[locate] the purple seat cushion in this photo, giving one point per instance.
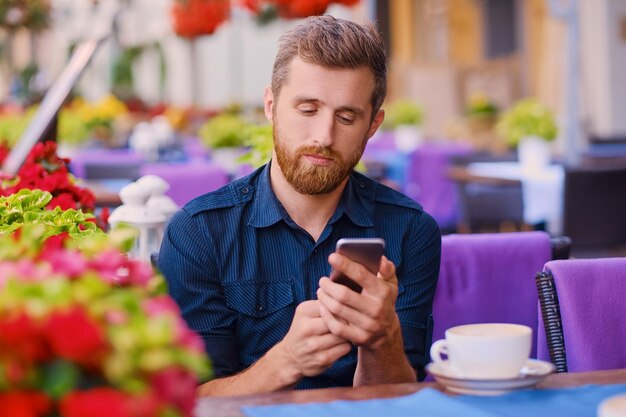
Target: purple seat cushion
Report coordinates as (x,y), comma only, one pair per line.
(592,294)
(489,278)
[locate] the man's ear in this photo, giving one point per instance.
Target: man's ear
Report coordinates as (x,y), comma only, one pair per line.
(268,103)
(378,120)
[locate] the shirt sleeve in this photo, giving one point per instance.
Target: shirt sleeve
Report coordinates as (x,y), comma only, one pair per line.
(187,261)
(417,278)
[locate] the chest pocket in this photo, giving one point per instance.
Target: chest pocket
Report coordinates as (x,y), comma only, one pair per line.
(259,299)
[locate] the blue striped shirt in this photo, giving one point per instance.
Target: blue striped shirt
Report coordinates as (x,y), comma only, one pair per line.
(238,266)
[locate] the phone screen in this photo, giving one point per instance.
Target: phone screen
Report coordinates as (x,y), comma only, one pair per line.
(366,251)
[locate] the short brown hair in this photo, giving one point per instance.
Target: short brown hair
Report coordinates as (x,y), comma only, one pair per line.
(334,43)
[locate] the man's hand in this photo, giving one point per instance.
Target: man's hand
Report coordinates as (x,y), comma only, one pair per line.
(366,319)
(309,348)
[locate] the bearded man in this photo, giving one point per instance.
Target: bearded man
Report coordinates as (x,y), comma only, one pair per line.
(248,264)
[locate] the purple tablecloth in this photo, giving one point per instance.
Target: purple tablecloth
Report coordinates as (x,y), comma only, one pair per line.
(188,180)
(84,157)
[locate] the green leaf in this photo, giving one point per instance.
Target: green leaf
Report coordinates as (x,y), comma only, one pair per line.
(59,377)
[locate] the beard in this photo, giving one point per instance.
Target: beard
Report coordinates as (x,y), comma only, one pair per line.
(311,179)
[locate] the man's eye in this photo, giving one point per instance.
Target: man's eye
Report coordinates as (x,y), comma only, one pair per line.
(308,111)
(345,119)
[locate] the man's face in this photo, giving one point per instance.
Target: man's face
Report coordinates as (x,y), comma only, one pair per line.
(321,124)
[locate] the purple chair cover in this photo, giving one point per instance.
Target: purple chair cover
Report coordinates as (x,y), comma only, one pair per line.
(428,182)
(84,157)
(188,180)
(592,294)
(489,278)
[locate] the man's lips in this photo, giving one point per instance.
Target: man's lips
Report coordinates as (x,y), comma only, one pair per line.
(318,159)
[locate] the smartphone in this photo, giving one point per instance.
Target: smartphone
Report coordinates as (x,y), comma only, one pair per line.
(366,251)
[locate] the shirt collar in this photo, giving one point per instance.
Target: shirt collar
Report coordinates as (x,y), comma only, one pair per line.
(266,209)
(356,202)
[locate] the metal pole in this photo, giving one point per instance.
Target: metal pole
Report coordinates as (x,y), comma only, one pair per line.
(567,10)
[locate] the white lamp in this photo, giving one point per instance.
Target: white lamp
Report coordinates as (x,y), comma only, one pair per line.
(135,212)
(156,188)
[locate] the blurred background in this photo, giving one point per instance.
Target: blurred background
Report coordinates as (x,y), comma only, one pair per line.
(175,81)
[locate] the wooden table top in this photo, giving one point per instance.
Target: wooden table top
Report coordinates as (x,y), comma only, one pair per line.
(464,175)
(230,406)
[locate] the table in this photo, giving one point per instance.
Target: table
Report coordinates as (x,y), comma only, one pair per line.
(542,190)
(230,406)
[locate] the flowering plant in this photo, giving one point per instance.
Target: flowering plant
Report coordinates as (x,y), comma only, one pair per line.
(85,331)
(29,207)
(292,9)
(46,171)
(480,106)
(526,118)
(192,18)
(403,112)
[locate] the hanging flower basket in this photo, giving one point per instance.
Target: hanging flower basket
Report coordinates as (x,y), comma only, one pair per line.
(193,18)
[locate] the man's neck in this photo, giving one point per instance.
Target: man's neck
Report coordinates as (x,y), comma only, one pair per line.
(311,212)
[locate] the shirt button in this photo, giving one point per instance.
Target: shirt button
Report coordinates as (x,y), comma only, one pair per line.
(361,185)
(245,190)
(315,250)
(259,307)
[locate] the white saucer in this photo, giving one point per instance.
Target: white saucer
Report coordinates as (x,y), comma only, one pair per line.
(533,371)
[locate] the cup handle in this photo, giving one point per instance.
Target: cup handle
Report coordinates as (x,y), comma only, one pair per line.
(437,348)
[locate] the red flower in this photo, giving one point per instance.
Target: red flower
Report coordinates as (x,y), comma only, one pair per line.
(24,404)
(4,152)
(54,243)
(21,337)
(44,170)
(97,402)
(176,386)
(75,336)
(194,18)
(301,8)
(63,200)
(347,2)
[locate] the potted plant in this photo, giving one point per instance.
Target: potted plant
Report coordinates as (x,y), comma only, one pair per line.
(530,126)
(260,143)
(405,118)
(225,135)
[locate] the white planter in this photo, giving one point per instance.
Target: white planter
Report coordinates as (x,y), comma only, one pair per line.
(227,158)
(534,153)
(408,138)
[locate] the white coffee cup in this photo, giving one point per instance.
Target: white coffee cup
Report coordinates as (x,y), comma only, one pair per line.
(484,351)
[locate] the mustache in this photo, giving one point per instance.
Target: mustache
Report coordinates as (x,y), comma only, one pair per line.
(318,151)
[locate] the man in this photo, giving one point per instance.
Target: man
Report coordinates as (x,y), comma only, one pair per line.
(248,263)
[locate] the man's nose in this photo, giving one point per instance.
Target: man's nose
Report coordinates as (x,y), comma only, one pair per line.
(324,131)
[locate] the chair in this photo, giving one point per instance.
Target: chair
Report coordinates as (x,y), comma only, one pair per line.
(488,205)
(593,209)
(429,184)
(582,311)
(487,278)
